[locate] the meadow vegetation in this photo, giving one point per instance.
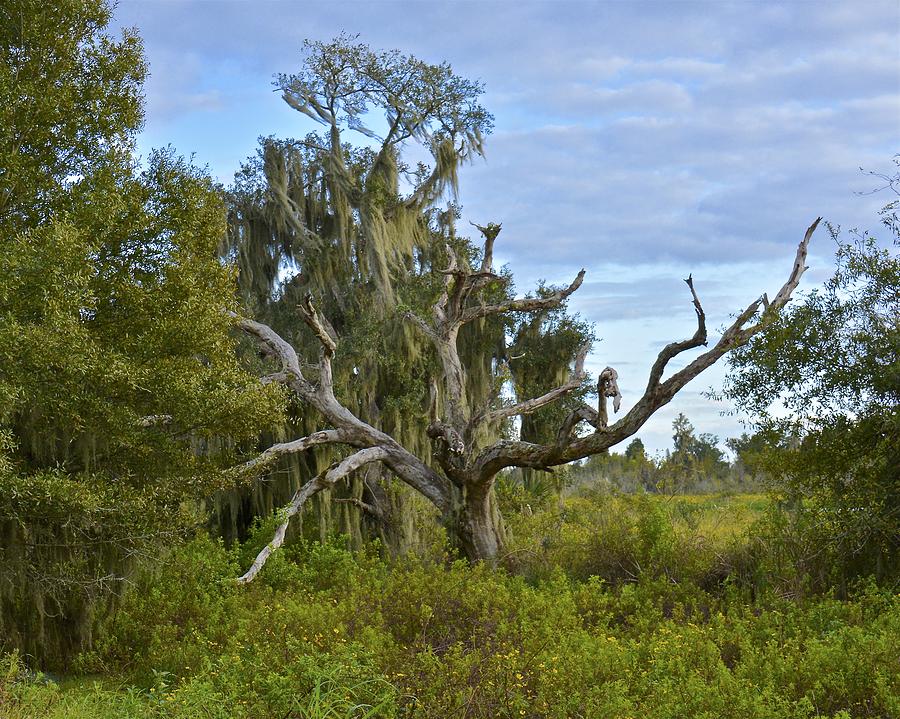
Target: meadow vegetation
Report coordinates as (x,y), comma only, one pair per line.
(610,606)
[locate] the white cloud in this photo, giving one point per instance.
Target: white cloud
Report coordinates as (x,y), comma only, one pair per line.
(640,140)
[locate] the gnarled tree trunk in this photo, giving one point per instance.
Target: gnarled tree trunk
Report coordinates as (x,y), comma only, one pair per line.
(475,525)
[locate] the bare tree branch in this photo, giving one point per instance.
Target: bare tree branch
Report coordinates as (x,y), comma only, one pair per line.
(532,405)
(784,294)
(274,342)
(314,321)
(322,481)
(276,451)
(525,304)
(737,334)
(450,313)
(658,393)
(675,348)
(409,468)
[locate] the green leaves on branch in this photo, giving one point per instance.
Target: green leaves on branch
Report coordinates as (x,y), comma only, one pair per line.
(121,392)
(72,97)
(823,381)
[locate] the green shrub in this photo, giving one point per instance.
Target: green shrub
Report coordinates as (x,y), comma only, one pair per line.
(323,632)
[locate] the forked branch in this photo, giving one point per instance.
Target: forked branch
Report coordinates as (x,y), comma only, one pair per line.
(326,479)
(676,348)
(349,429)
(569,448)
(524,304)
(738,333)
(532,405)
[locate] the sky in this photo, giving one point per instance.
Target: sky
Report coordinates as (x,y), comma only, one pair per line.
(642,141)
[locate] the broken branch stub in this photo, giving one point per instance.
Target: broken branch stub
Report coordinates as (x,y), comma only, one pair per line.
(316,324)
(607,386)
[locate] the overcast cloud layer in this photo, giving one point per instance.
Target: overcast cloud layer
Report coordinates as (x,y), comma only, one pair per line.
(640,140)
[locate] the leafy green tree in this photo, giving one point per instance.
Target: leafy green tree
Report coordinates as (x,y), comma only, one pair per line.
(363,232)
(642,465)
(633,471)
(823,381)
(749,455)
(636,449)
(72,98)
(121,396)
(540,357)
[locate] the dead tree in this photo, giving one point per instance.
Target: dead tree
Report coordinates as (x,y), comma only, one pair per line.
(459,477)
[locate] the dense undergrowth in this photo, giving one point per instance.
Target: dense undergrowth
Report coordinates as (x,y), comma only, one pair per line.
(608,607)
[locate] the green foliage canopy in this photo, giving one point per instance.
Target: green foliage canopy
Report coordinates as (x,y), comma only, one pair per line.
(833,362)
(120,391)
(72,97)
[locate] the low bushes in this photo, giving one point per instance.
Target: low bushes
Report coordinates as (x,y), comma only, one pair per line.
(640,616)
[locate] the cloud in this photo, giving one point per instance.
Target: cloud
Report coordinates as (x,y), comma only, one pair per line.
(651,96)
(642,141)
(177,103)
